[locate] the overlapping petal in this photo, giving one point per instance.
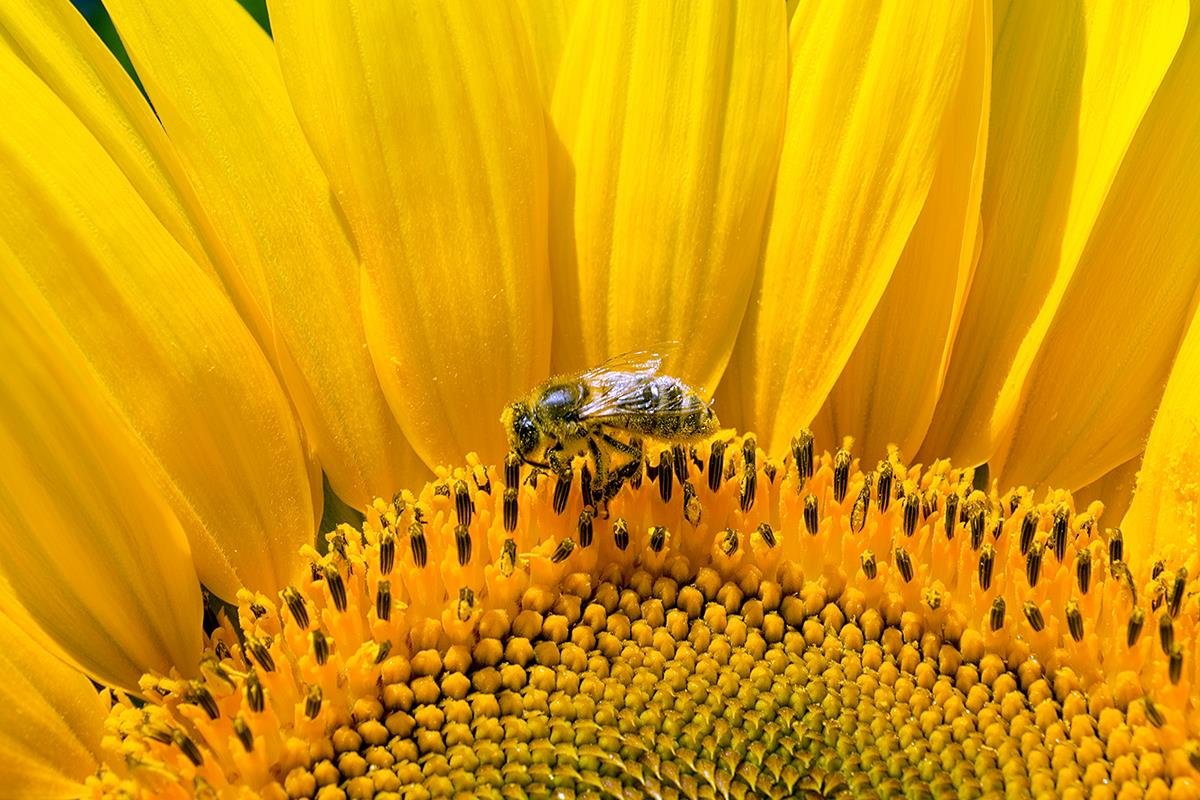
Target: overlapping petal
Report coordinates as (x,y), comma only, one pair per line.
(867,101)
(1071,85)
(669,119)
(548,24)
(87,546)
(889,387)
(50,721)
(161,339)
(428,120)
(215,82)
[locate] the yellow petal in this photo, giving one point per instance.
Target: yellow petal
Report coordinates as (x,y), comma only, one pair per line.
(161,339)
(428,119)
(1071,86)
(57,44)
(1092,389)
(670,117)
(888,389)
(1164,519)
(1114,488)
(869,91)
(87,546)
(215,83)
(50,721)
(547,22)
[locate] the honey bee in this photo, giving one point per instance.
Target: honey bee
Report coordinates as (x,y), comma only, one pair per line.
(605,411)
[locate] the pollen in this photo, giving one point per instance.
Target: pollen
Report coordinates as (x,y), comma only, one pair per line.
(727,625)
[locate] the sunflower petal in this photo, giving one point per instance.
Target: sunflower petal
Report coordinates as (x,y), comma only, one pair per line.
(906,344)
(1128,302)
(1114,488)
(429,122)
(215,83)
(86,545)
(51,721)
(548,23)
(670,117)
(1071,85)
(869,92)
(1164,518)
(160,338)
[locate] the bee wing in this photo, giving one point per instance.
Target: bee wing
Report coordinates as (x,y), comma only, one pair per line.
(633,383)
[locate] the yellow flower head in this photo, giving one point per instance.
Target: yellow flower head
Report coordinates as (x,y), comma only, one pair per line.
(306,270)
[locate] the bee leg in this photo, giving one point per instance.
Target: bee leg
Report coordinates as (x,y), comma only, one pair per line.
(555,458)
(618,476)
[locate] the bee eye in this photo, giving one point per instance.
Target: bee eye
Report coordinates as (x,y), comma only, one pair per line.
(527,435)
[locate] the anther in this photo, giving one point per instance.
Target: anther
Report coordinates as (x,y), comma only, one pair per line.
(666,476)
(337,587)
(1028,529)
(383,651)
(585,486)
(1152,713)
(464,506)
(244,734)
(257,610)
(562,490)
(987,559)
(508,558)
(585,527)
(1175,664)
(1166,633)
(749,486)
(1116,544)
(312,702)
(841,474)
(416,541)
(383,600)
(951,518)
(1033,566)
(770,471)
(904,564)
(563,551)
(658,538)
(259,649)
(716,464)
(510,509)
(802,454)
(1058,532)
(858,514)
(621,534)
(1034,615)
(466,603)
(320,646)
(1175,599)
(977,520)
(1137,619)
(692,509)
(1083,570)
(199,695)
(912,508)
(679,460)
(255,698)
(767,534)
(996,616)
(729,542)
(1074,620)
(1158,569)
(883,487)
(462,541)
(930,504)
(512,470)
(812,518)
(295,603)
(387,552)
(187,746)
(869,567)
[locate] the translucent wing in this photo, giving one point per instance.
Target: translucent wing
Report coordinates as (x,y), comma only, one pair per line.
(633,383)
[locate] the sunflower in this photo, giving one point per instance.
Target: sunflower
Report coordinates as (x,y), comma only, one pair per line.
(941,259)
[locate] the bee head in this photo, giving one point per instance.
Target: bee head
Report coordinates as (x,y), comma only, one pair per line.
(523,435)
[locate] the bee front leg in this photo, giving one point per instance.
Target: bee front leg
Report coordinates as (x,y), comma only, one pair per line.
(618,476)
(600,478)
(559,461)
